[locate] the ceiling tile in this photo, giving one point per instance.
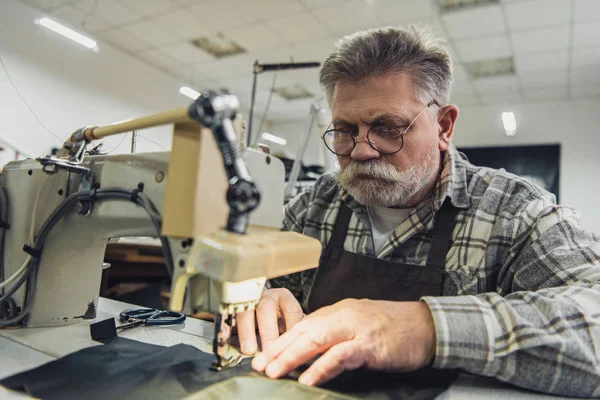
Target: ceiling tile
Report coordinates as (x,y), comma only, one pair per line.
(314,50)
(586,57)
(585,91)
(462,89)
(298,28)
(110,10)
(149,8)
(46,5)
(255,38)
(232,66)
(496,84)
(281,54)
(157,58)
(547,93)
(396,12)
(148,31)
(585,76)
(483,48)
(586,33)
(460,76)
(316,4)
(185,53)
(527,15)
(460,99)
(556,38)
(123,40)
(192,75)
(79,20)
(490,98)
(475,22)
(586,10)
(352,16)
(549,78)
(541,61)
(183,24)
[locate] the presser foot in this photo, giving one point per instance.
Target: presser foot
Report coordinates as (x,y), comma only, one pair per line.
(226,356)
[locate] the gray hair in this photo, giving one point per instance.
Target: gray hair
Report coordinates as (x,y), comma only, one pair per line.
(414,50)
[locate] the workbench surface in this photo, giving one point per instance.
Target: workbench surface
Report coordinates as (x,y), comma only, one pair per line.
(23,349)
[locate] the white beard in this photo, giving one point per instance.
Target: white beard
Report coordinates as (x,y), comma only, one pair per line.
(373,182)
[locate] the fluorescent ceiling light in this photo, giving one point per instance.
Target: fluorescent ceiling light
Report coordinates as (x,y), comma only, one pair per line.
(68,33)
(274,139)
(510,125)
(189,92)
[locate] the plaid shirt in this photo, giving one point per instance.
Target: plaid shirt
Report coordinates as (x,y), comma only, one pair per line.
(521,298)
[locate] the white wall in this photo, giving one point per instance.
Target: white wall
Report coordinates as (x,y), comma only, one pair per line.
(574,124)
(69,86)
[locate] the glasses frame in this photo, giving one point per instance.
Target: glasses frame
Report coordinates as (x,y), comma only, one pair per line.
(357,139)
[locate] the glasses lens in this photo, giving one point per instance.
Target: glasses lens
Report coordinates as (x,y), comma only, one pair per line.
(386,139)
(339,142)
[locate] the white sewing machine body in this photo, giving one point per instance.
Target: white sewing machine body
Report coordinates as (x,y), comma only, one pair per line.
(71,264)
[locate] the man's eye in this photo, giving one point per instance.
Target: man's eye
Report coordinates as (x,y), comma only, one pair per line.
(385,131)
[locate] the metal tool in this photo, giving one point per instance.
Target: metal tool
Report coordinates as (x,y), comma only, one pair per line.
(149,317)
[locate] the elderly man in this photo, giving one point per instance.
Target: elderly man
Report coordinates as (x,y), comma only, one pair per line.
(427,260)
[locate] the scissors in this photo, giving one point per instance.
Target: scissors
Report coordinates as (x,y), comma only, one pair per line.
(148,317)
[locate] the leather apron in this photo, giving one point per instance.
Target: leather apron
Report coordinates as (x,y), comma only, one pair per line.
(342,274)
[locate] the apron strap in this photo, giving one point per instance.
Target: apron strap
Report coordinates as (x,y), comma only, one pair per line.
(443,226)
(338,236)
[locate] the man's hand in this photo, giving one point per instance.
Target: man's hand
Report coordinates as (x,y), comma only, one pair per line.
(276,307)
(382,335)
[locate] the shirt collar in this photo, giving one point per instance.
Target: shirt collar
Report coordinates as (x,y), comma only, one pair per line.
(451,184)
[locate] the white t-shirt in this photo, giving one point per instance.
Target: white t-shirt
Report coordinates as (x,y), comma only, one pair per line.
(384,221)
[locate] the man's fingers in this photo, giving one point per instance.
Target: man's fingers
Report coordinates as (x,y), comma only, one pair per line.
(266,316)
(246,332)
(304,349)
(339,358)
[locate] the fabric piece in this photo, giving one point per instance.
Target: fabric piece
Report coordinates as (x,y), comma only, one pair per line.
(384,221)
(125,368)
(521,281)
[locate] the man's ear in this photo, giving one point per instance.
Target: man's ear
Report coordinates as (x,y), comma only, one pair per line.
(447,117)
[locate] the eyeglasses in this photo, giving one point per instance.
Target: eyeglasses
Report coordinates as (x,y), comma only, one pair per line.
(384,139)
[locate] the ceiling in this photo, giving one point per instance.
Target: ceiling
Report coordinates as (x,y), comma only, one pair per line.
(555,43)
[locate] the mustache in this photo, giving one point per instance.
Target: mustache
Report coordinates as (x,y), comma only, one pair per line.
(371,169)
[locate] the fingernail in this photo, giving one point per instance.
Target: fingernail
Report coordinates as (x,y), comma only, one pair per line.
(259,362)
(272,370)
(305,380)
(248,347)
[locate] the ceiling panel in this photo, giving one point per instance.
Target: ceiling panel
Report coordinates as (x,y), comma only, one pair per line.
(548,93)
(298,28)
(190,74)
(123,40)
(586,33)
(531,14)
(464,99)
(183,24)
(232,66)
(150,32)
(475,22)
(149,8)
(185,53)
(542,61)
(256,37)
(314,50)
(534,79)
(47,5)
(585,76)
(158,58)
(483,48)
(586,57)
(496,84)
(354,15)
(110,10)
(316,4)
(586,10)
(491,98)
(585,91)
(395,12)
(556,38)
(79,20)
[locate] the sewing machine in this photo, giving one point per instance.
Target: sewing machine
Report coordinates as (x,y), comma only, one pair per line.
(218,215)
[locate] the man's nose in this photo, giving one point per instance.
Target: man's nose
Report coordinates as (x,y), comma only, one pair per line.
(363,150)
